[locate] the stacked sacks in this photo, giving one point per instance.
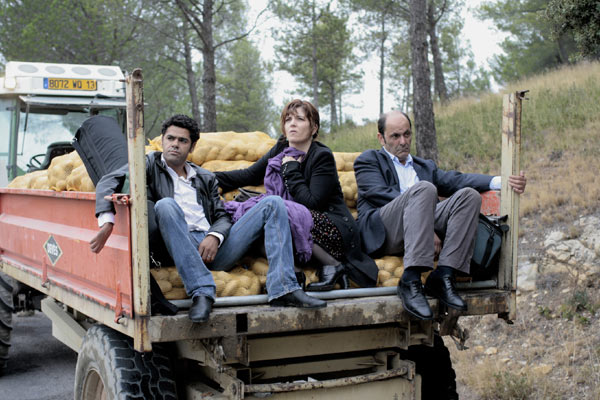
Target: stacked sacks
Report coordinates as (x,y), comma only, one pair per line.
(79,180)
(231,146)
(66,172)
(390,270)
(244,282)
(237,282)
(345,161)
(345,166)
(32,180)
(60,168)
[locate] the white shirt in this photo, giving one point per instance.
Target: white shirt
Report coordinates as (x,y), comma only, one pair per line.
(407,176)
(185,196)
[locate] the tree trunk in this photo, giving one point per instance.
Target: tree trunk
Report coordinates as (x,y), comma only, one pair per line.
(340,119)
(438,73)
(315,80)
(190,74)
(332,105)
(209,78)
(382,62)
(422,103)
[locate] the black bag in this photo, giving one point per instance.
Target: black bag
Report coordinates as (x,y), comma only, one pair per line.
(101,145)
(488,240)
(245,194)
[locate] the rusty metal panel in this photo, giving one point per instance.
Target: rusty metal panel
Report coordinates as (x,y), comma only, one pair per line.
(490,202)
(320,343)
(399,383)
(309,368)
(343,313)
(46,234)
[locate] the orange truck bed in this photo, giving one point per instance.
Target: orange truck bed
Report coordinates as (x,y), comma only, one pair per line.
(46,234)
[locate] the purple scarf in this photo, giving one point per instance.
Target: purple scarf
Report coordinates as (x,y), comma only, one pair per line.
(300,219)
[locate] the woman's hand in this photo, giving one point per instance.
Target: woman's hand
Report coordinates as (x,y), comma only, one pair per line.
(288,159)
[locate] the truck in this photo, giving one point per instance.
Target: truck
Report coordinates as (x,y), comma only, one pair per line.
(99,304)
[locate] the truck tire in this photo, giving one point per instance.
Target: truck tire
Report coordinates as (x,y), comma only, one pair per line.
(438,379)
(109,368)
(6,311)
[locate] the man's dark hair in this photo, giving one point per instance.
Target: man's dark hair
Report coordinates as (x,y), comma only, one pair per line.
(383,117)
(185,122)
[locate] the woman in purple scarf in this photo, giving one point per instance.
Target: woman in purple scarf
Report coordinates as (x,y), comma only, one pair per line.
(303,172)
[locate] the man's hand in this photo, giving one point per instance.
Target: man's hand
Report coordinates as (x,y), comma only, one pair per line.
(208,248)
(97,243)
(518,182)
(437,245)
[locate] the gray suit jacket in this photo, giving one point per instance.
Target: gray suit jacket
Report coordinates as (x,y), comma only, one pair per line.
(378,184)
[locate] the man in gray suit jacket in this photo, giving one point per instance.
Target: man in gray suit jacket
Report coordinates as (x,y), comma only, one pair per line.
(399,213)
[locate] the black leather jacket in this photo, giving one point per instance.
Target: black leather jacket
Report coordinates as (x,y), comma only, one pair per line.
(160,185)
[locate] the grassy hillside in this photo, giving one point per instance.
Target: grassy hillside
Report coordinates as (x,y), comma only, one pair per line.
(560,134)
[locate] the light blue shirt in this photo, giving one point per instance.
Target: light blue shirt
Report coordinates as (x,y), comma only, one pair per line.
(407,176)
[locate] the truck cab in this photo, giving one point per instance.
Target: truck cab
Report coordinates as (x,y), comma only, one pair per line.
(43,104)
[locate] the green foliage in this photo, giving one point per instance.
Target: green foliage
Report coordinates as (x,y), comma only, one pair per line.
(244,102)
(315,46)
(511,386)
(582,19)
(545,312)
(64,31)
(530,47)
(577,307)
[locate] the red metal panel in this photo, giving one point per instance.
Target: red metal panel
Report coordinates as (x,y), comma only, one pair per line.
(490,202)
(28,218)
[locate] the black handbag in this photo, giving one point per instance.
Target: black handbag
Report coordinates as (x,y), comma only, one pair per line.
(245,194)
(488,241)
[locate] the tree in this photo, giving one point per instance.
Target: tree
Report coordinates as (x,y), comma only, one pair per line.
(579,17)
(244,102)
(209,19)
(378,16)
(434,13)
(530,48)
(336,62)
(297,51)
(66,31)
(423,105)
(316,48)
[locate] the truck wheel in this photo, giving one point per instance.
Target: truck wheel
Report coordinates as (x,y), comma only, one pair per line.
(109,368)
(6,311)
(438,379)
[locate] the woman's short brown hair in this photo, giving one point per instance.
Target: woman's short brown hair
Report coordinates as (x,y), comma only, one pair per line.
(311,113)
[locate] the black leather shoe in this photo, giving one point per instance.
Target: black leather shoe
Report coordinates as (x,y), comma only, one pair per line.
(414,300)
(298,298)
(328,276)
(443,288)
(200,309)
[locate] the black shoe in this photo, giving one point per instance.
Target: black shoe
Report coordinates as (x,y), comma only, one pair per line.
(200,309)
(328,276)
(443,289)
(301,278)
(298,298)
(414,300)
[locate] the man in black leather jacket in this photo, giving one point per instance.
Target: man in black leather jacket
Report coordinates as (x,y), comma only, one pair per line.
(193,223)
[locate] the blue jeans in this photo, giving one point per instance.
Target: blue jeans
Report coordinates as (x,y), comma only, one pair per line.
(269,217)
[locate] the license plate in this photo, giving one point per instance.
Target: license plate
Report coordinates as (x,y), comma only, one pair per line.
(69,84)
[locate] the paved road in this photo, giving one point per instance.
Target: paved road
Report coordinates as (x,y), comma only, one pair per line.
(40,367)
